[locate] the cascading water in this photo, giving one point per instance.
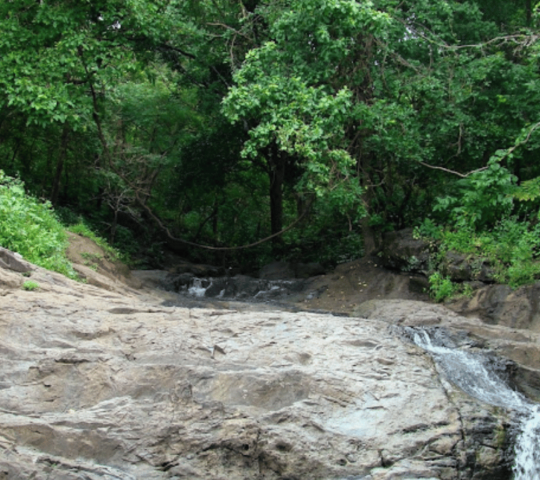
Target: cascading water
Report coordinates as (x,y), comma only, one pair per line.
(199,287)
(240,288)
(470,373)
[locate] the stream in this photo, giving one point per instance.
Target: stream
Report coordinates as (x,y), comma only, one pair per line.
(473,375)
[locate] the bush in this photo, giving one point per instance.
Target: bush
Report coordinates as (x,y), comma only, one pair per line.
(442,288)
(511,248)
(29,227)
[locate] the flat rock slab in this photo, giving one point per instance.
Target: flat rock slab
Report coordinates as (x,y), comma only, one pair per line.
(96,385)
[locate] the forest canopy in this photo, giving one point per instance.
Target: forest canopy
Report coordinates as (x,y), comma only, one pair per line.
(224,122)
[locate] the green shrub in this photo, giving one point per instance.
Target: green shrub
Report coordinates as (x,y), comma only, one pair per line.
(29,227)
(441,287)
(29,285)
(511,248)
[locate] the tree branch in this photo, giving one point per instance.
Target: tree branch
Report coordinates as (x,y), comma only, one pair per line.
(453,172)
(221,249)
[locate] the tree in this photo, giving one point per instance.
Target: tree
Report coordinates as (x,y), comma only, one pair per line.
(350,90)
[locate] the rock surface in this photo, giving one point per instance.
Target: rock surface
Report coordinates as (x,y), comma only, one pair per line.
(501,305)
(353,283)
(97,384)
(94,265)
(493,303)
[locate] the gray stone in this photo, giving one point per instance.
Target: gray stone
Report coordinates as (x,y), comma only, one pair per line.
(106,385)
(501,305)
(306,270)
(401,251)
(461,268)
(277,271)
(13,261)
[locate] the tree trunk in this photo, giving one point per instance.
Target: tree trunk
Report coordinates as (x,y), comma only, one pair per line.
(277,175)
(368,235)
(60,165)
(364,170)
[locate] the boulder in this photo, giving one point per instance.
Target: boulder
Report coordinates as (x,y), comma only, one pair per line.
(501,305)
(13,261)
(104,385)
(461,267)
(277,271)
(198,270)
(307,270)
(402,251)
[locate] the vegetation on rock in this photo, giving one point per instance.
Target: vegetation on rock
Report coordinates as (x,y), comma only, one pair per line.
(30,285)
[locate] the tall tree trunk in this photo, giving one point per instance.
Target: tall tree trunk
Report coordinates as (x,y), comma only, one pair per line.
(277,175)
(368,235)
(60,164)
(48,167)
(364,168)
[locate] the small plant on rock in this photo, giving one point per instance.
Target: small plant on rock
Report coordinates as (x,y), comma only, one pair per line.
(30,285)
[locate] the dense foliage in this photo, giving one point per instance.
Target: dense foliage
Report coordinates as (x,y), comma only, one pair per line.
(30,228)
(226,121)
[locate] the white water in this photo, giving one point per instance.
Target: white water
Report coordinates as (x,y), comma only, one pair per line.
(239,289)
(197,289)
(469,372)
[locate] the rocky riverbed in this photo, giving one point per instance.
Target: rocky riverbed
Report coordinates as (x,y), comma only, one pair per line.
(120,383)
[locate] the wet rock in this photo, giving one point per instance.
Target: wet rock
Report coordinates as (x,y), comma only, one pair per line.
(522,347)
(178,282)
(240,287)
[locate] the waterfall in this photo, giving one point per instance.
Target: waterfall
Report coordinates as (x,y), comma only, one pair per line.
(199,287)
(470,373)
(527,461)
